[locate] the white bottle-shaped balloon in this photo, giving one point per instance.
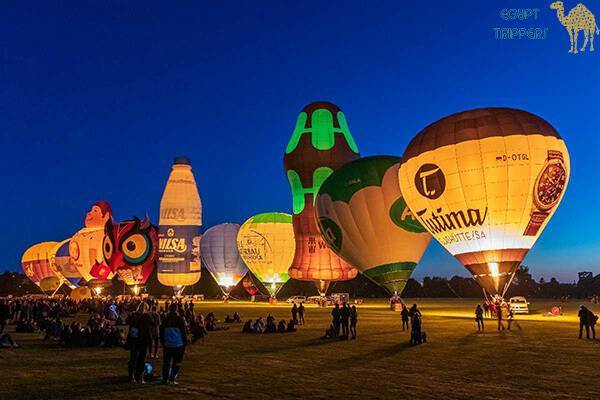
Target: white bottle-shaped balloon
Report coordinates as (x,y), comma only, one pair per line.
(179,228)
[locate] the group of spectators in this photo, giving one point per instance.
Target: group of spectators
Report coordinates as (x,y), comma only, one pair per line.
(499,310)
(269,325)
(414,316)
(344,317)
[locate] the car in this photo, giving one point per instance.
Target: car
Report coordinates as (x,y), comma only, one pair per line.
(519,305)
(296,299)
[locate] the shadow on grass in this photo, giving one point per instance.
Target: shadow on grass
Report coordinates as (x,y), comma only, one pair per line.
(378,354)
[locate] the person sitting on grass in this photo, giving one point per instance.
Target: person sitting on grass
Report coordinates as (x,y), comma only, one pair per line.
(329,333)
(198,329)
(6,341)
(236,318)
(271,328)
(247,328)
(291,326)
(259,325)
(281,326)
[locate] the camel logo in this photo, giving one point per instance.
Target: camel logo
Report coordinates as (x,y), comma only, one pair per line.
(430,181)
(578,19)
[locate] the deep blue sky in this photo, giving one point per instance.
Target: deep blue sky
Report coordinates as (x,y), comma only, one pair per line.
(97,97)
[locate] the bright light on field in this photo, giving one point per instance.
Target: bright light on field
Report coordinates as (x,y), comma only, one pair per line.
(226,281)
(98,290)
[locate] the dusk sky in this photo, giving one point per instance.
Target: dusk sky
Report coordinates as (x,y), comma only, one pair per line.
(98,97)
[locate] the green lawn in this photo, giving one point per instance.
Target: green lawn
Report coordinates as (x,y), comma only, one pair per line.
(544,360)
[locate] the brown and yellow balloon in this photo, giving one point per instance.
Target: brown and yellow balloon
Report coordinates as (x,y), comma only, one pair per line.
(485,183)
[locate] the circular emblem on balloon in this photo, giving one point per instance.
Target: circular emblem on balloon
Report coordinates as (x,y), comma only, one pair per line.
(430,181)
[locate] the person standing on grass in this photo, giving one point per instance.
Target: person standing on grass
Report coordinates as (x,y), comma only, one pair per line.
(511,319)
(335,320)
(155,336)
(584,321)
(173,339)
(345,316)
(295,313)
(479,317)
(353,320)
(4,313)
(138,341)
(498,309)
(301,314)
(404,315)
(593,319)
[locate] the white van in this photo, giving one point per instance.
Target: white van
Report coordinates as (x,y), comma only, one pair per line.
(296,299)
(519,305)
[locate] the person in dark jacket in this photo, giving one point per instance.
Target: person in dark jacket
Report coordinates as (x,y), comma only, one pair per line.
(301,314)
(587,319)
(344,320)
(138,341)
(173,338)
(479,318)
(404,315)
(353,321)
(295,313)
(335,320)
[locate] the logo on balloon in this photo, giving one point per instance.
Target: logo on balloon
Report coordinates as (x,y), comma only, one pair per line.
(430,181)
(332,232)
(402,217)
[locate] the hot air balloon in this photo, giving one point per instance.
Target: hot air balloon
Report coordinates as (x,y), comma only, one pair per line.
(85,247)
(365,220)
(61,266)
(221,257)
(267,246)
(36,266)
(485,183)
(179,228)
(131,249)
(320,144)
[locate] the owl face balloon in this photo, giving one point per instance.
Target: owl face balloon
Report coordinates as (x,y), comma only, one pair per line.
(130,248)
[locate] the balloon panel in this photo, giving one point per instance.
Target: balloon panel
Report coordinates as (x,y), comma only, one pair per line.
(364,218)
(86,254)
(320,144)
(36,262)
(61,264)
(266,244)
(50,285)
(179,228)
(81,293)
(485,183)
(220,254)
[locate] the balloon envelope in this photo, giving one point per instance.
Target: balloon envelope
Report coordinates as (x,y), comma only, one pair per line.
(179,228)
(364,218)
(320,144)
(36,266)
(221,257)
(485,183)
(267,246)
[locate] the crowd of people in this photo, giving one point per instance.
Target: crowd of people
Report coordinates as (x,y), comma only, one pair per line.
(495,309)
(344,317)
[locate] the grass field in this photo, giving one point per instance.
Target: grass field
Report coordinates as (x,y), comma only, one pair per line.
(544,360)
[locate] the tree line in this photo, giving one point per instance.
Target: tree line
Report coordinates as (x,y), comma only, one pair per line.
(17,284)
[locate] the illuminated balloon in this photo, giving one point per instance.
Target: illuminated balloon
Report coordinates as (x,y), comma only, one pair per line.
(267,246)
(179,228)
(131,249)
(485,183)
(221,257)
(36,266)
(364,218)
(320,144)
(85,247)
(61,266)
(81,293)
